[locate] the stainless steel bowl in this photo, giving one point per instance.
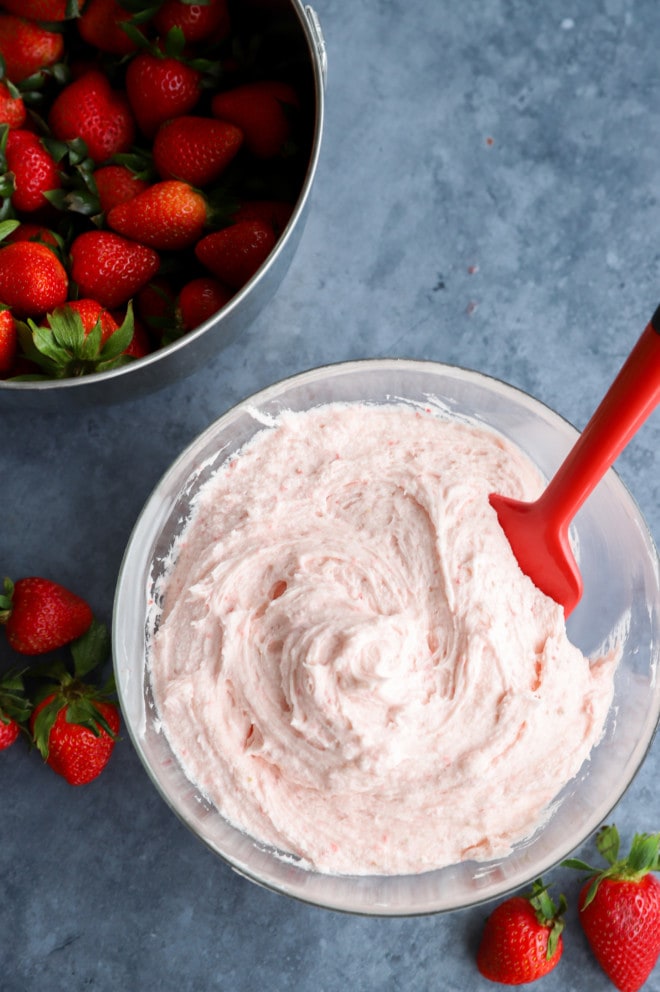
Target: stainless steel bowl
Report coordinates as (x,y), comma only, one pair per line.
(193,350)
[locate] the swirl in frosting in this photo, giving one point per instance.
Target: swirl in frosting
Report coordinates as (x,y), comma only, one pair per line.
(349,662)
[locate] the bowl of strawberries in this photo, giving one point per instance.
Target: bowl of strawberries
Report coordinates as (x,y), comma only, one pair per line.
(156,165)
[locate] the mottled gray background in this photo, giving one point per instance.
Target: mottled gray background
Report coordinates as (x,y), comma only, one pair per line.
(487,195)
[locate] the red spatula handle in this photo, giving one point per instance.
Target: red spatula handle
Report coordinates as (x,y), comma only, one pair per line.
(631,398)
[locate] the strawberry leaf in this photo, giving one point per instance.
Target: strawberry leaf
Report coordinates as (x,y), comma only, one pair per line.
(120,339)
(43,725)
(91,649)
(7,227)
(14,704)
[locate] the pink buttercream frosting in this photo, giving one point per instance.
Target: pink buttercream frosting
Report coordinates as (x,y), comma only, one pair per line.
(349,662)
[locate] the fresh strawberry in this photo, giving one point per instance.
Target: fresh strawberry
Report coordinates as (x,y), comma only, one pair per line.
(140,342)
(32,278)
(620,908)
(12,108)
(75,724)
(117,184)
(235,253)
(196,150)
(40,615)
(9,730)
(90,109)
(110,268)
(156,305)
(77,339)
(199,299)
(197,21)
(75,733)
(263,110)
(43,10)
(27,47)
(169,215)
(34,232)
(33,168)
(8,340)
(14,707)
(100,25)
(521,940)
(277,213)
(161,86)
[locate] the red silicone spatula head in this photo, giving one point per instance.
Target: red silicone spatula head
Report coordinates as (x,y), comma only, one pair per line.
(538,531)
(543,551)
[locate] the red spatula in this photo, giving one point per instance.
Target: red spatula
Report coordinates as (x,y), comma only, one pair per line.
(538,531)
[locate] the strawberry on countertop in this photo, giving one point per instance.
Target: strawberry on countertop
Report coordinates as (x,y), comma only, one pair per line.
(40,615)
(75,723)
(620,908)
(522,938)
(14,707)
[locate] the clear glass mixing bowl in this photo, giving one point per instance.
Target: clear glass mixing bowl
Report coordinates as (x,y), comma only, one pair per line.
(619,564)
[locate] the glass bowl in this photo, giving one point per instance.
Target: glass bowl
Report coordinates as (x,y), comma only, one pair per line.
(619,564)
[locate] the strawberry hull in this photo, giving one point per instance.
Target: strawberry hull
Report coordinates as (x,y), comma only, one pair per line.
(183,356)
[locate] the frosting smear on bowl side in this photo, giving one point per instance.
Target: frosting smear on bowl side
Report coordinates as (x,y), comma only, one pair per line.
(349,662)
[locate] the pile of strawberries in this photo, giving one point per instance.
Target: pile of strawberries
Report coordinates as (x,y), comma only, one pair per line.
(57,704)
(150,157)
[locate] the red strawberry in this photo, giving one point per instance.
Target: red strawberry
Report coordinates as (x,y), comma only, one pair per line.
(32,278)
(33,232)
(263,111)
(100,25)
(8,340)
(75,725)
(170,215)
(235,253)
(620,908)
(199,299)
(27,47)
(195,149)
(198,21)
(277,213)
(159,87)
(522,940)
(14,708)
(12,108)
(90,109)
(109,268)
(9,730)
(76,339)
(40,615)
(34,170)
(79,736)
(156,304)
(43,10)
(140,343)
(116,184)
